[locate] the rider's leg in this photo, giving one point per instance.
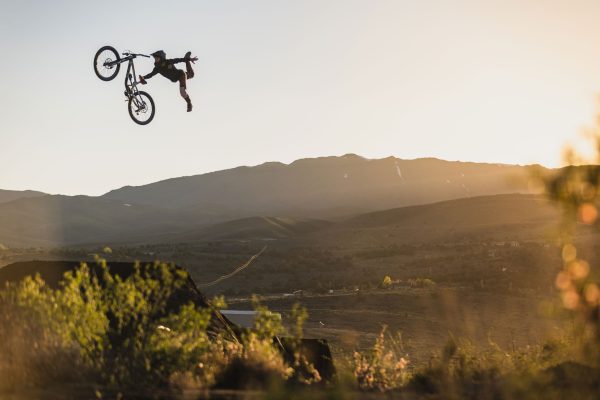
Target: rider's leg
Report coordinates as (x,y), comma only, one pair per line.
(188,66)
(183,92)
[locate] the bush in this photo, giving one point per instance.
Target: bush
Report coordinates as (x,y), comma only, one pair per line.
(381,368)
(462,371)
(421,283)
(117,333)
(387,282)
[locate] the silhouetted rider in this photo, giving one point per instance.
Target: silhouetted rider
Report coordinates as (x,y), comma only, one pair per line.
(166,67)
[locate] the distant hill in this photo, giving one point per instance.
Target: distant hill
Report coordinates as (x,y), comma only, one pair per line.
(475,211)
(80,220)
(253,228)
(10,195)
(327,187)
(64,220)
(269,201)
(500,217)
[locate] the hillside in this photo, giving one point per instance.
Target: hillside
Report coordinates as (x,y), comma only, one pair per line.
(269,201)
(10,195)
(485,218)
(64,220)
(474,211)
(327,187)
(456,241)
(252,228)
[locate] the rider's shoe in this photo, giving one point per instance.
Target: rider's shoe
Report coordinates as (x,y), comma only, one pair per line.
(189,107)
(188,66)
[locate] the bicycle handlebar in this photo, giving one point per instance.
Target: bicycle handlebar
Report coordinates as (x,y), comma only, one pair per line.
(126,54)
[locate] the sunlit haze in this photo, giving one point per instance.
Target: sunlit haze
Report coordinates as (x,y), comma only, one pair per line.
(500,81)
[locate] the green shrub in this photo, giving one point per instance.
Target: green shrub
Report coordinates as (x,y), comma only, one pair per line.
(387,282)
(117,333)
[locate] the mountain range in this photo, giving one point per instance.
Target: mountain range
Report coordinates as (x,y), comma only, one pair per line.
(274,198)
(10,195)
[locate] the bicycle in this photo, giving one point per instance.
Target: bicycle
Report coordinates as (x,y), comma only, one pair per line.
(107,64)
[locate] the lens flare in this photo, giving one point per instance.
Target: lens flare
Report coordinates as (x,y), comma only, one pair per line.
(563,281)
(592,294)
(579,269)
(570,299)
(588,213)
(569,253)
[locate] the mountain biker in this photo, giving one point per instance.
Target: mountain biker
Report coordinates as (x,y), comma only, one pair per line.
(166,67)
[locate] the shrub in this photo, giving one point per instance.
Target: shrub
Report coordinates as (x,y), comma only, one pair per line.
(117,332)
(381,368)
(421,283)
(387,282)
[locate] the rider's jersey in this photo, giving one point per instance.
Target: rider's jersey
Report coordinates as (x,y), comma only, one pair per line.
(167,69)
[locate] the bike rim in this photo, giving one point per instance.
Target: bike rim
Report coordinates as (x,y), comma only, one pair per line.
(103,58)
(141,109)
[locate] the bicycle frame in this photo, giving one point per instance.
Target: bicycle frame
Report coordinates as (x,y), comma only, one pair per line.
(130,79)
(139,103)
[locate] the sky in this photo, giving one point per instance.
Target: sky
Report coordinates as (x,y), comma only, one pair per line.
(499,81)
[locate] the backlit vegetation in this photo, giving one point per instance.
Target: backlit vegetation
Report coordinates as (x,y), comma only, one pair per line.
(115,333)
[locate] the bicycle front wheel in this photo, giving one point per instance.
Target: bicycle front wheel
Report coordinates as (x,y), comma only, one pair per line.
(102,67)
(141,108)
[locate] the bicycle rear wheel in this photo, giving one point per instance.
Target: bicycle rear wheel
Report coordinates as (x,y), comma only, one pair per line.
(103,56)
(141,108)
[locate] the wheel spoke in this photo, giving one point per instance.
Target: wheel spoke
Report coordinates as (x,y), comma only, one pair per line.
(103,58)
(141,108)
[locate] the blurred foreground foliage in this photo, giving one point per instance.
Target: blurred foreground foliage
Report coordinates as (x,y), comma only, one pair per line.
(116,334)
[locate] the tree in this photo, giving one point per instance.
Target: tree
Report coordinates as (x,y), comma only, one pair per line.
(387,282)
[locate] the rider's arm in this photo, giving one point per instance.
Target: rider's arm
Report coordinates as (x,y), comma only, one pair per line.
(151,74)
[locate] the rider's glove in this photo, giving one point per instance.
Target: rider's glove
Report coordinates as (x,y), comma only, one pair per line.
(142,80)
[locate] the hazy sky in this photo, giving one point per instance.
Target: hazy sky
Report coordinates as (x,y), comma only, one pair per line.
(497,81)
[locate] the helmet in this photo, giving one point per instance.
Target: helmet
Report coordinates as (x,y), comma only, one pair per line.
(160,54)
